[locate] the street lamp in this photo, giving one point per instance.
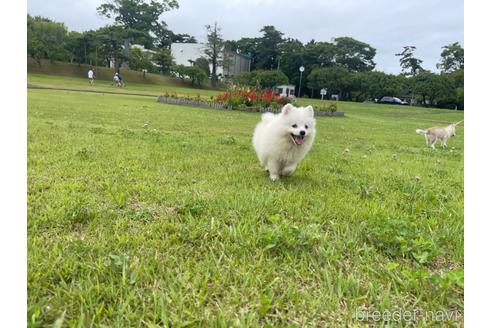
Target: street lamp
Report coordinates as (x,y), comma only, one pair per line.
(278,59)
(301,69)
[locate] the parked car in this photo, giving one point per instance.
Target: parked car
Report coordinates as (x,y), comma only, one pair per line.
(392,100)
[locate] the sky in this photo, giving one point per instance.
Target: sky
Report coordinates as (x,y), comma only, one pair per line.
(386,25)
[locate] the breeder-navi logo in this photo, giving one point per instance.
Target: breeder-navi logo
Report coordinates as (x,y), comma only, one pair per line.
(406,315)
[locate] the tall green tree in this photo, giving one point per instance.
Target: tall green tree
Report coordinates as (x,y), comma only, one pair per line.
(335,79)
(140,15)
(291,57)
(140,60)
(410,65)
(249,47)
(81,46)
(320,54)
(354,55)
(375,85)
(214,49)
(163,59)
(268,50)
(202,63)
(139,18)
(431,87)
(452,58)
(110,41)
(46,39)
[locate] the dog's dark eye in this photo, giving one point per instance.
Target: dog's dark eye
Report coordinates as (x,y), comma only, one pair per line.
(306,127)
(294,126)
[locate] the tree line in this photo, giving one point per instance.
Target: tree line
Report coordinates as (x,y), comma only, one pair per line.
(345,66)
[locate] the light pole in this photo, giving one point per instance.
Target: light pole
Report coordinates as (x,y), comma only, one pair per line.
(278,59)
(301,69)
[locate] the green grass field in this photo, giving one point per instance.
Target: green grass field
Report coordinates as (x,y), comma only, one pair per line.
(142,214)
(104,86)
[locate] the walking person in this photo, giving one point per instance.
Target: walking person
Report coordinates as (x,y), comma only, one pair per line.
(122,84)
(90,76)
(116,80)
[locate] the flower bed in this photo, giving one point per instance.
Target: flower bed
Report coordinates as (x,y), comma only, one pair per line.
(244,99)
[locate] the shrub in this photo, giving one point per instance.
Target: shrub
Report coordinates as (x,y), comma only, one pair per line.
(283,100)
(195,74)
(243,78)
(332,106)
(261,78)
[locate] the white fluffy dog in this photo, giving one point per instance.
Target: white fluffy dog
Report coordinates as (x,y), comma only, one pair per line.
(282,140)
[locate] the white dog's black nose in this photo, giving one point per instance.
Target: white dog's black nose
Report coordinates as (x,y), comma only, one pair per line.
(302,132)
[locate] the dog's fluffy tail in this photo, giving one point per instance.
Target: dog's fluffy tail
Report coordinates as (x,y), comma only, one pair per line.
(267,117)
(420,131)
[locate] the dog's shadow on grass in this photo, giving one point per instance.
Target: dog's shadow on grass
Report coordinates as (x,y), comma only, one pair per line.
(303,181)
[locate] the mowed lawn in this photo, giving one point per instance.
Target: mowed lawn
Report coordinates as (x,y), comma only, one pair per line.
(142,214)
(105,86)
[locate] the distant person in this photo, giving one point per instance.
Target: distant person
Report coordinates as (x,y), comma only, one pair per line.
(116,80)
(90,75)
(122,84)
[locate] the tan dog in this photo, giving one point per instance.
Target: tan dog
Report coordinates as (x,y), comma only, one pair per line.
(441,133)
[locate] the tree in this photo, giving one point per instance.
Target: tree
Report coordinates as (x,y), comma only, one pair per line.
(268,78)
(375,85)
(35,47)
(163,59)
(458,78)
(291,57)
(110,41)
(432,87)
(137,17)
(46,39)
(321,54)
(140,15)
(452,58)
(336,79)
(354,55)
(202,63)
(140,60)
(80,46)
(183,38)
(261,78)
(454,96)
(196,75)
(214,49)
(268,50)
(249,47)
(409,64)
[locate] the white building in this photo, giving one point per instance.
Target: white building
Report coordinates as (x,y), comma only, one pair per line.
(187,53)
(286,90)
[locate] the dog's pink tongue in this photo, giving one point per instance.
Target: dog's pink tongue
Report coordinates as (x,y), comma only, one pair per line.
(299,140)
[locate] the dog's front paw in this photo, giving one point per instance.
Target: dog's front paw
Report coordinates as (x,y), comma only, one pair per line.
(273,177)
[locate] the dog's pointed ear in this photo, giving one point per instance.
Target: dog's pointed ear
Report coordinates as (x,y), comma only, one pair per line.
(310,110)
(287,108)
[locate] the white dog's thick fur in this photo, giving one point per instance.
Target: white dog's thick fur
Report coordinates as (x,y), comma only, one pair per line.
(282,140)
(441,133)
